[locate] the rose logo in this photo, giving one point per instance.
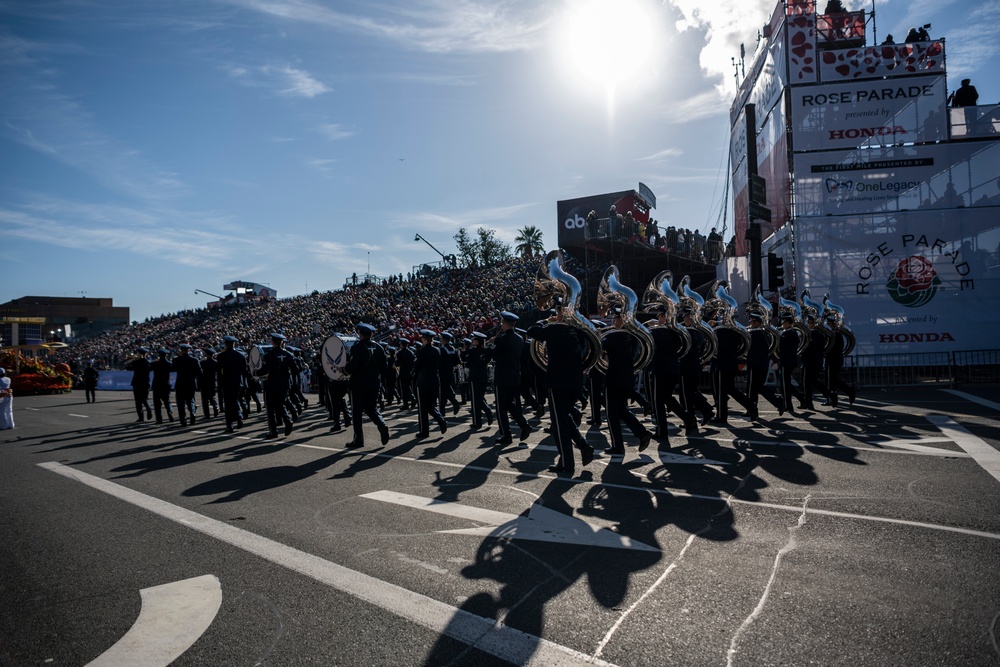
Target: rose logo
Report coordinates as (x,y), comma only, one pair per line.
(914,283)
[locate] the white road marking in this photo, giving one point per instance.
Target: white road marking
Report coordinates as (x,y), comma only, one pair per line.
(541,524)
(172,618)
(33,409)
(674,493)
(84,416)
(514,646)
(974,399)
(985,455)
(909,448)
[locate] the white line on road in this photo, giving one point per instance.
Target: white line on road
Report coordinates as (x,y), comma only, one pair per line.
(974,399)
(506,643)
(84,416)
(541,524)
(675,493)
(983,454)
(172,618)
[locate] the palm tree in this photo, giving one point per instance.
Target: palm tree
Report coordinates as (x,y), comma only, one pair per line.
(529,241)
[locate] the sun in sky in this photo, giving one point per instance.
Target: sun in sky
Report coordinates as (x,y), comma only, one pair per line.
(609,45)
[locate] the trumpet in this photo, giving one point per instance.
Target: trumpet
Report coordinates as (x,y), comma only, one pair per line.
(613,294)
(661,295)
(693,300)
(551,281)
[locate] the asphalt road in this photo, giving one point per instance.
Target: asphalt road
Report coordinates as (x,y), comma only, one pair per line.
(869,535)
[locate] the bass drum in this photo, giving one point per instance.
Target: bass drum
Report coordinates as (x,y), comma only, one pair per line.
(256,359)
(334,353)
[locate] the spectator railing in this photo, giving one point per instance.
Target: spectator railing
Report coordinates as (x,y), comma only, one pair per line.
(924,368)
(974,122)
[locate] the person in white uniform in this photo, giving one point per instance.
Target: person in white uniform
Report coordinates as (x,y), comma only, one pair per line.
(6,402)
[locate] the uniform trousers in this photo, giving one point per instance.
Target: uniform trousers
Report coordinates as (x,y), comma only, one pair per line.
(427,398)
(161,401)
(506,407)
(618,412)
(364,401)
(725,386)
(274,401)
(563,426)
(479,405)
(185,404)
(663,398)
(231,404)
(756,387)
(141,396)
(208,393)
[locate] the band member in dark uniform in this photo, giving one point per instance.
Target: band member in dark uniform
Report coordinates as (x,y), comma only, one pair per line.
(835,362)
(279,366)
(666,376)
(725,368)
(758,365)
(566,349)
(188,371)
(90,375)
(620,348)
(692,397)
(596,381)
(232,374)
(446,371)
(477,361)
(506,357)
(788,361)
(207,384)
(404,362)
(161,385)
(427,381)
(140,383)
(812,363)
(365,364)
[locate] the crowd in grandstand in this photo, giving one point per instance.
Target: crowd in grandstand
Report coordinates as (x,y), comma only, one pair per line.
(462,300)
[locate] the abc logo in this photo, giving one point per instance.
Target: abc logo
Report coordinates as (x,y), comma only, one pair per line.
(575,222)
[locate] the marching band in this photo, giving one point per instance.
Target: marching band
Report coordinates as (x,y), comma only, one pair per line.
(608,362)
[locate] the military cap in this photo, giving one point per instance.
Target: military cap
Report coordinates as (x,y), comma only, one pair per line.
(447,335)
(599,324)
(520,331)
(787,316)
(230,339)
(3,371)
(163,351)
(508,316)
(811,317)
(277,336)
(832,317)
(617,310)
(210,350)
(404,341)
(686,310)
(144,350)
(755,316)
(391,348)
(467,341)
(557,300)
(365,328)
(479,334)
(427,333)
(185,346)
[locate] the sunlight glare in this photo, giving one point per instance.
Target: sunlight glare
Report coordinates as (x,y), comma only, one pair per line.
(609,43)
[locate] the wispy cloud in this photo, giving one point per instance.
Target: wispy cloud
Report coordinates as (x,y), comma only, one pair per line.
(441,222)
(323,164)
(665,154)
(280,79)
(38,115)
(335,132)
(438,26)
(975,43)
(703,105)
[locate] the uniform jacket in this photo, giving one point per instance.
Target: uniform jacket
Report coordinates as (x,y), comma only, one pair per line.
(232,368)
(140,372)
(506,356)
(620,347)
(366,364)
(161,374)
(425,368)
(188,370)
(566,348)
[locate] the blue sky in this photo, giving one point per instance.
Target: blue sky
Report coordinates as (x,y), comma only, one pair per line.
(148,149)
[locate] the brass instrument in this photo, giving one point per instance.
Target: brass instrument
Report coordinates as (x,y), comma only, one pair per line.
(830,307)
(552,280)
(811,308)
(762,307)
(726,316)
(787,307)
(661,294)
(613,294)
(693,300)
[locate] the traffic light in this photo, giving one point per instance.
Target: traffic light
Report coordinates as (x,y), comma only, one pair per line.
(775,272)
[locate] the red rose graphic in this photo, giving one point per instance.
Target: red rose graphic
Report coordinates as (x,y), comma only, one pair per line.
(915,274)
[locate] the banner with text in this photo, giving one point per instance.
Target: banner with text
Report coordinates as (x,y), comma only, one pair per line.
(894,179)
(876,62)
(919,281)
(869,113)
